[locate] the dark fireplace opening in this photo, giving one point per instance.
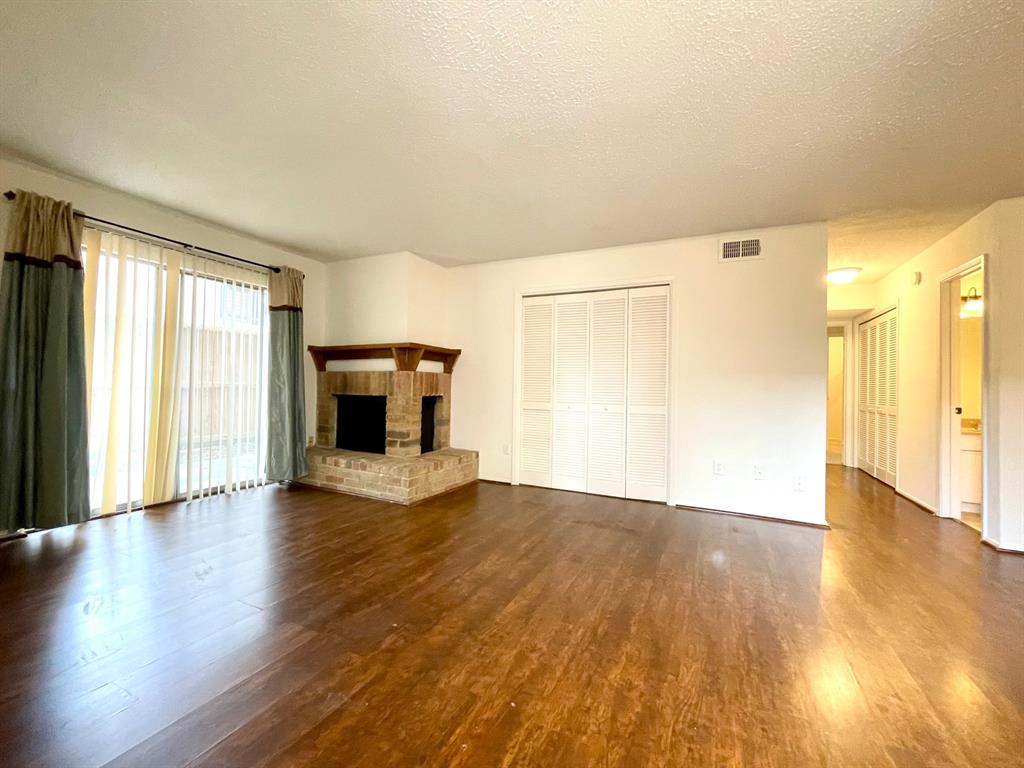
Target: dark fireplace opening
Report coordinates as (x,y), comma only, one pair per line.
(427,423)
(362,423)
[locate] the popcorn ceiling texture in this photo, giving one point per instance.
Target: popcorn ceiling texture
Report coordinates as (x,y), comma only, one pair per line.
(466,130)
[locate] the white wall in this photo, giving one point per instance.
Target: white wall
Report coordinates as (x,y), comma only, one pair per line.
(748,362)
(392,297)
(429,297)
(749,346)
(368,300)
(851,298)
(749,353)
(999,232)
(125,209)
(1003,406)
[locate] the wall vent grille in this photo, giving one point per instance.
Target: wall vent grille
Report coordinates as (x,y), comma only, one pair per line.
(740,249)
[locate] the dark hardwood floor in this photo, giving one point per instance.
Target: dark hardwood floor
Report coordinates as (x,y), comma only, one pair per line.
(502,626)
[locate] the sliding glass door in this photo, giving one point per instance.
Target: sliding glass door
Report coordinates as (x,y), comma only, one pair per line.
(176,352)
(223,418)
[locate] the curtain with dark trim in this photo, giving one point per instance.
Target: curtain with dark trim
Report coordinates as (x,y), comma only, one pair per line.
(286,438)
(44,466)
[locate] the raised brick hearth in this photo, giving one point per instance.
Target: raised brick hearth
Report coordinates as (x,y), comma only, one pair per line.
(401,474)
(405,480)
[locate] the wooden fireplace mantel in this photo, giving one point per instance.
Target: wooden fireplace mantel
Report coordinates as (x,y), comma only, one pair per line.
(407,354)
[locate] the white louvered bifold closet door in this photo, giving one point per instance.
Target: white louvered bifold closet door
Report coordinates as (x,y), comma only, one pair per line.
(606,465)
(872,397)
(878,342)
(862,396)
(888,352)
(571,374)
(647,394)
(535,396)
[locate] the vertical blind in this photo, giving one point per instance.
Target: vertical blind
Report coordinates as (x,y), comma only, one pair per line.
(176,354)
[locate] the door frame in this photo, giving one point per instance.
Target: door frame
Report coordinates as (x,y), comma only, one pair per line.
(949,388)
(517,360)
(849,447)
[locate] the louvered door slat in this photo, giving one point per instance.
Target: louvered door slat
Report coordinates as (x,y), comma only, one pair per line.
(893,353)
(862,395)
(873,366)
(887,406)
(571,386)
(882,397)
(535,394)
(647,394)
(606,465)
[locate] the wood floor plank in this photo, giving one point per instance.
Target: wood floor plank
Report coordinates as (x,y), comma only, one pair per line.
(507,626)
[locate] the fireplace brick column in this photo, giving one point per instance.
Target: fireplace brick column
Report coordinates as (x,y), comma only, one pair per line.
(403,430)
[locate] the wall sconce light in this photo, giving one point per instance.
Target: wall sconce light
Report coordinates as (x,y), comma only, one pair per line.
(971,305)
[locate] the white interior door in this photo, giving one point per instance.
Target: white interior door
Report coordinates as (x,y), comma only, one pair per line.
(872,397)
(594,392)
(953,506)
(878,345)
(535,397)
(863,371)
(881,399)
(647,394)
(606,465)
(571,385)
(888,349)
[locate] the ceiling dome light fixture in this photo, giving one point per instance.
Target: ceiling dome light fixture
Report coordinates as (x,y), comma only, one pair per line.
(971,305)
(843,275)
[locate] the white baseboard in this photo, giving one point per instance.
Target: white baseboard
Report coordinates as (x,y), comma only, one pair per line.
(916,500)
(999,548)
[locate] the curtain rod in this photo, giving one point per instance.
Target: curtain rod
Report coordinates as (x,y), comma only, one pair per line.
(10,195)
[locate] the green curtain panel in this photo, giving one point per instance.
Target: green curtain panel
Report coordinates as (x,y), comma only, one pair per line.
(44,457)
(286,438)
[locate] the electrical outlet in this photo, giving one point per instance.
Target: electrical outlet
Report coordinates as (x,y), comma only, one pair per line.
(506,449)
(800,483)
(718,468)
(759,472)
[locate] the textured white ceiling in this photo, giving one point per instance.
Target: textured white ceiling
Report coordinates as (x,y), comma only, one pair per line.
(467,130)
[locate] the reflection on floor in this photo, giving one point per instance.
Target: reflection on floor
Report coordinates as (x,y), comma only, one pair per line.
(972,519)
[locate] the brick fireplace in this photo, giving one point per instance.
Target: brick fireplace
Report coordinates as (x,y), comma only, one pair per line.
(385,434)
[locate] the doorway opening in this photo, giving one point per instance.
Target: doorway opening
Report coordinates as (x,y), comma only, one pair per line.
(961,492)
(835,414)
